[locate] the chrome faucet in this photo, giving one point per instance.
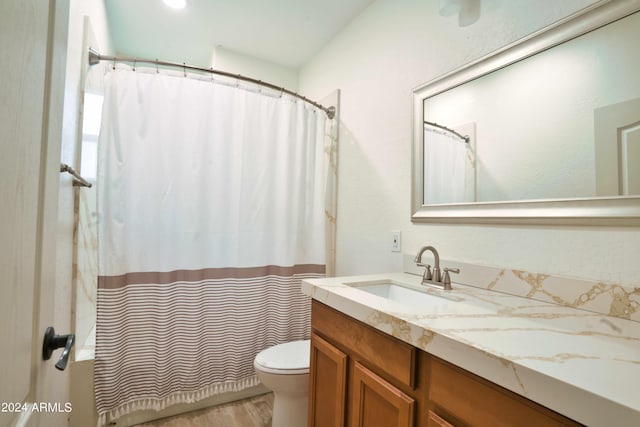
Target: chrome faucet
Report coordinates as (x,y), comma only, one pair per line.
(428,276)
(435,277)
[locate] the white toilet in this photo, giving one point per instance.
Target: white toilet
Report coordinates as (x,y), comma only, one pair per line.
(284,369)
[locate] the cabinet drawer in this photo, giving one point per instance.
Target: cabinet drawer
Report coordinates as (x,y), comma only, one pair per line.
(468,399)
(387,354)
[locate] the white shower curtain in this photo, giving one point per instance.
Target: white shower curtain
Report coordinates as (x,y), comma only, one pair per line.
(214,204)
(445,169)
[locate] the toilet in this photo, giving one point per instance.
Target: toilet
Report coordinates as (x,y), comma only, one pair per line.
(284,369)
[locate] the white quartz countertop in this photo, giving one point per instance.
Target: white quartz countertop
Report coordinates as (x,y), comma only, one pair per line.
(583,365)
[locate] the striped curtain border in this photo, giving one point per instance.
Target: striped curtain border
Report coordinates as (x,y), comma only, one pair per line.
(169,277)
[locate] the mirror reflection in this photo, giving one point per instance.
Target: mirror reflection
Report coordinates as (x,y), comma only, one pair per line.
(564,123)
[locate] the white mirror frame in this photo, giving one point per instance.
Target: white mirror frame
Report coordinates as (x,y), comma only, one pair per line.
(608,211)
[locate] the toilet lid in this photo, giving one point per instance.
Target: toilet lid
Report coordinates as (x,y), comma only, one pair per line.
(291,356)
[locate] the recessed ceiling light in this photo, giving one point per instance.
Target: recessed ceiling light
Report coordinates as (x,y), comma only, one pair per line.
(176,4)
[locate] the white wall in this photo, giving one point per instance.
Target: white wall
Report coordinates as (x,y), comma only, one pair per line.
(233,62)
(391,48)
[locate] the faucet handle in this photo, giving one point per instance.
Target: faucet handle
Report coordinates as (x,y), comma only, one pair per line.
(427,270)
(446,279)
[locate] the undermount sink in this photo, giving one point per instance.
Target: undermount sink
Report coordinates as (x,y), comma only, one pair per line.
(427,298)
(404,293)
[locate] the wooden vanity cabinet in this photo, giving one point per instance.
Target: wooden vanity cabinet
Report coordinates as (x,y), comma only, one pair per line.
(361,377)
(461,398)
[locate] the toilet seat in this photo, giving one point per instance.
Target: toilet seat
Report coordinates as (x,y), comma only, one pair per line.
(291,358)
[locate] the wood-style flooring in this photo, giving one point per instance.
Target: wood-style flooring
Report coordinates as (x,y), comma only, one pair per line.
(253,412)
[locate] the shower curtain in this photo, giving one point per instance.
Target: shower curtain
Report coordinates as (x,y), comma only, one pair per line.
(445,169)
(216,200)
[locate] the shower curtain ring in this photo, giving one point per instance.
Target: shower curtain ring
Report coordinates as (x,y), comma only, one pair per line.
(134,63)
(184,68)
(157,69)
(114,63)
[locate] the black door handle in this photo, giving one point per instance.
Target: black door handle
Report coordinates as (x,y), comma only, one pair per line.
(52,342)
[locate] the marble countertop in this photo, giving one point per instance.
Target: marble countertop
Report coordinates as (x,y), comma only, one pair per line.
(581,364)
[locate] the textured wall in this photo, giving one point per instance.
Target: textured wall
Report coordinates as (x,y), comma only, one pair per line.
(376,61)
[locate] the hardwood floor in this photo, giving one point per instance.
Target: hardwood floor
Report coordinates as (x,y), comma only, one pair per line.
(253,412)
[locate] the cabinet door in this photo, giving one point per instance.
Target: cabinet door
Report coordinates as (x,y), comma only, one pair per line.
(327,382)
(434,420)
(474,401)
(376,403)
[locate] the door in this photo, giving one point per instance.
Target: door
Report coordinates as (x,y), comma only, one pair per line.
(617,149)
(377,403)
(33,54)
(327,383)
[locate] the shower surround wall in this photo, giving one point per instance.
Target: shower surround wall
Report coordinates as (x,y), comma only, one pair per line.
(387,51)
(86,270)
(68,258)
(82,13)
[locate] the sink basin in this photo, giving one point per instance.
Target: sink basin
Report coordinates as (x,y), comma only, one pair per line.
(427,299)
(404,293)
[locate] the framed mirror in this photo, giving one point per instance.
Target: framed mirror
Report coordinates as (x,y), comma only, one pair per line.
(543,131)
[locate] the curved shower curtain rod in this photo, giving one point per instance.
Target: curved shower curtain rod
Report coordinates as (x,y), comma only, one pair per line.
(465,138)
(95,58)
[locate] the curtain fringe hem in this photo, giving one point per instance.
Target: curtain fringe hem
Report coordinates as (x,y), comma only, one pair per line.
(159,404)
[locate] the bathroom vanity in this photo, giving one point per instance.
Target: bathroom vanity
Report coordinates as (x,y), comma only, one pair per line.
(387,351)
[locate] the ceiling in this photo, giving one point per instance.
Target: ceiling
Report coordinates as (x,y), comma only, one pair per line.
(285,32)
